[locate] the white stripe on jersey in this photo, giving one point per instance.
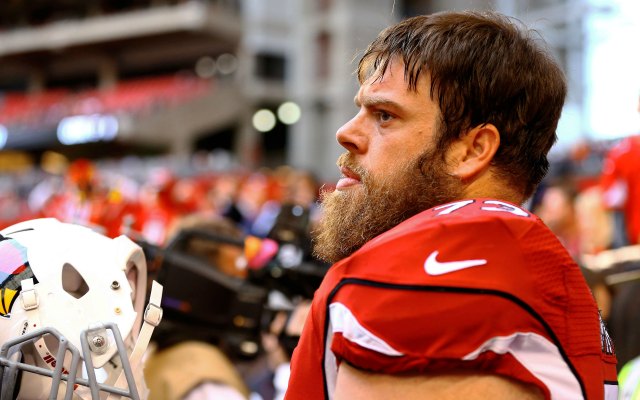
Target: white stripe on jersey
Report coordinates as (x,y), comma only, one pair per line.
(345,322)
(342,320)
(537,354)
(540,357)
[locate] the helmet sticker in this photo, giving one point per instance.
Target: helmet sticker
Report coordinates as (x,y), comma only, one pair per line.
(14,268)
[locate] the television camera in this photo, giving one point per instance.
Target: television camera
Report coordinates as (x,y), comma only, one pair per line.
(202,303)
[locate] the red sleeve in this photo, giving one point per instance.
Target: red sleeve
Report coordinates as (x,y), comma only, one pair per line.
(400,330)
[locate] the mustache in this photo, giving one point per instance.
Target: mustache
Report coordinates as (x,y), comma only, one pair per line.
(347,160)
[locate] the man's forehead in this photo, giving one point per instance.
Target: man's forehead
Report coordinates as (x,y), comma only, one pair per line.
(382,70)
(385,85)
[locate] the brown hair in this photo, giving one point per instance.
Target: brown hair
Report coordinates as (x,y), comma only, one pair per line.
(484,69)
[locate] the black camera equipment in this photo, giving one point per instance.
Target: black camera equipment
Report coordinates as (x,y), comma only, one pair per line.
(293,271)
(202,303)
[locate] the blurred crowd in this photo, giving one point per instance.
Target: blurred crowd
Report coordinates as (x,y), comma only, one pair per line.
(148,198)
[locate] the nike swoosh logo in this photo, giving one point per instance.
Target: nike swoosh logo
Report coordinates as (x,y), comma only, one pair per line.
(435,267)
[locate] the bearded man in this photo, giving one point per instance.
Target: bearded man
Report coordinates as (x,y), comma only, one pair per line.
(443,287)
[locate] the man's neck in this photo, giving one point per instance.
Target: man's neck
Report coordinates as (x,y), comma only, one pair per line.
(489,185)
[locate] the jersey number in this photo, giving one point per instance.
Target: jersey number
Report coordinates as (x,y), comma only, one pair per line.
(488,205)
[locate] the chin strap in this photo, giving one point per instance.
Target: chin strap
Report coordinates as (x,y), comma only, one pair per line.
(152,317)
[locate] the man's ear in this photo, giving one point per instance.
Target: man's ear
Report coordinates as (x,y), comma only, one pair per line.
(471,155)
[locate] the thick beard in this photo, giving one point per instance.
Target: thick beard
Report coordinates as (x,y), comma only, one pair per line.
(354,216)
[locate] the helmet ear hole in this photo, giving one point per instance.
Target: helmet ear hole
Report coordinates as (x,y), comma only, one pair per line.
(132,277)
(72,282)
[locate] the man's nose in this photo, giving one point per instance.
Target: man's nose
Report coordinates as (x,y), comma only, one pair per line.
(352,135)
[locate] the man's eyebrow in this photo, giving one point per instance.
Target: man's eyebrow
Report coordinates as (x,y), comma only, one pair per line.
(373,101)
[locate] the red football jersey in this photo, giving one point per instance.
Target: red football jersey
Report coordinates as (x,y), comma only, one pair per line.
(475,284)
(620,183)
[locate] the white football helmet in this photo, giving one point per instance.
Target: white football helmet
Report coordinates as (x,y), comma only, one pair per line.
(71,310)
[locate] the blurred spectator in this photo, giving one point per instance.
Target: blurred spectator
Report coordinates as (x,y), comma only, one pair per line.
(78,202)
(251,195)
(578,219)
(12,209)
(157,211)
(222,194)
(86,197)
(594,221)
(291,218)
(621,186)
(557,210)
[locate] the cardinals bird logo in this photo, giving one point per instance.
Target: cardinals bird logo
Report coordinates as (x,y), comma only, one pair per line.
(14,268)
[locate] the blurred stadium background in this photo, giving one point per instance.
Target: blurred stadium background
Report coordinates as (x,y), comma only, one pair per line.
(108,79)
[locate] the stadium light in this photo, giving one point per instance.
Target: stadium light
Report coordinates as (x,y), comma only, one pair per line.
(227,63)
(206,67)
(264,120)
(87,128)
(289,113)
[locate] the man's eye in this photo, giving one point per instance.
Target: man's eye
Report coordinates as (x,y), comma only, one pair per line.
(384,116)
